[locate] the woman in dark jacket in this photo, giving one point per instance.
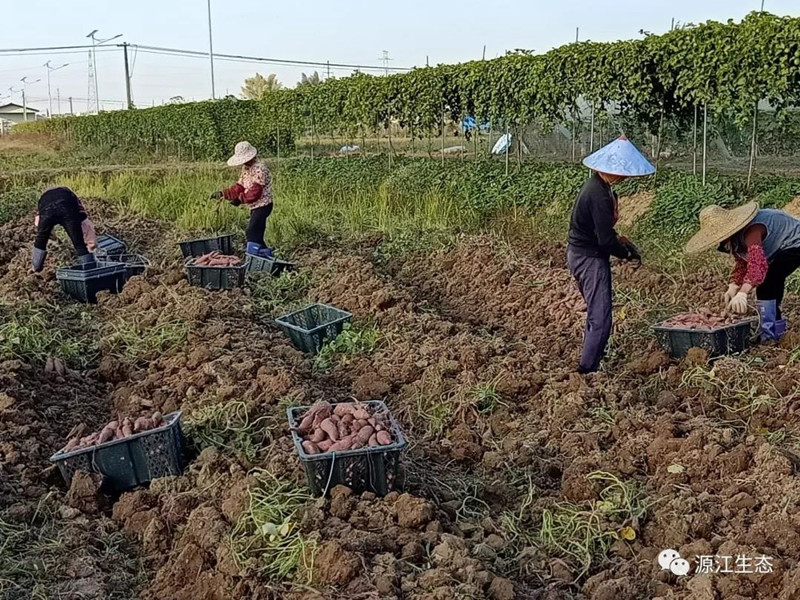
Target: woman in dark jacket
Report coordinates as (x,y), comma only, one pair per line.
(593,240)
(60,206)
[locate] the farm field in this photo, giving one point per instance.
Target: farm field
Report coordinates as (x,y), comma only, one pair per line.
(521,480)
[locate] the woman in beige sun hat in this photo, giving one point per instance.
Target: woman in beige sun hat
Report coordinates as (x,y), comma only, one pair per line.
(765,245)
(254,189)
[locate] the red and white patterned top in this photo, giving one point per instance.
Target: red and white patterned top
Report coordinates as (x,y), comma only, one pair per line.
(256,178)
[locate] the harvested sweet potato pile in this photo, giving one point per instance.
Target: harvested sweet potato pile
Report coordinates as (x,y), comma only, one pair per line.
(215,259)
(115,430)
(703,319)
(345,426)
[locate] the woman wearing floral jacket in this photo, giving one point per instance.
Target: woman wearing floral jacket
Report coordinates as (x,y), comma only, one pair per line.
(254,190)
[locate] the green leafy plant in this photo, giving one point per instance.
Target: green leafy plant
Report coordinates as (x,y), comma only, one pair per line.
(352,341)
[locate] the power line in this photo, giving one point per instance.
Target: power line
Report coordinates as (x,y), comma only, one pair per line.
(260,59)
(195,53)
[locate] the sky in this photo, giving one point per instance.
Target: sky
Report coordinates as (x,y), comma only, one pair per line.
(347,31)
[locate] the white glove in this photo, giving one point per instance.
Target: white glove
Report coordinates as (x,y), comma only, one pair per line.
(738,303)
(733,289)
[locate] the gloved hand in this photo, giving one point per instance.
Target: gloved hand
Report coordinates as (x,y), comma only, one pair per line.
(215,195)
(633,251)
(738,303)
(733,289)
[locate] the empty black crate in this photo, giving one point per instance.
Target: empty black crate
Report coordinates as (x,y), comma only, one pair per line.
(194,248)
(310,327)
(135,264)
(728,339)
(109,246)
(272,266)
(83,283)
(374,470)
(215,278)
(129,462)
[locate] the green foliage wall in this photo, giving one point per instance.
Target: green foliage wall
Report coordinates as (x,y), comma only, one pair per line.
(728,65)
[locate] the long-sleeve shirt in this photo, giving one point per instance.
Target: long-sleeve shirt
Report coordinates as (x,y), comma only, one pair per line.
(591,227)
(254,187)
(751,268)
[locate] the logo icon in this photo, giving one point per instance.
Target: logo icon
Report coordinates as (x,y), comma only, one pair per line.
(670,560)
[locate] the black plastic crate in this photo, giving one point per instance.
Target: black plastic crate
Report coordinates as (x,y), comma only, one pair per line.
(127,463)
(194,248)
(215,278)
(728,339)
(374,470)
(310,327)
(272,266)
(83,283)
(108,246)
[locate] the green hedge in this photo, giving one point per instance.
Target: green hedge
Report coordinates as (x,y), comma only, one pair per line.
(729,65)
(204,130)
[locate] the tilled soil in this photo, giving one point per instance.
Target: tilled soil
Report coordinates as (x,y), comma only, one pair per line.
(522,479)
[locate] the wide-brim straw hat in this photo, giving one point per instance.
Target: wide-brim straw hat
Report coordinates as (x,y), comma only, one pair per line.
(717,224)
(243,152)
(620,157)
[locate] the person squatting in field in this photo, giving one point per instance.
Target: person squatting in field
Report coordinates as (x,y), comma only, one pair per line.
(593,240)
(254,189)
(765,245)
(60,206)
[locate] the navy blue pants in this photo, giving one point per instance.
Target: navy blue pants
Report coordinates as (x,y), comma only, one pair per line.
(593,275)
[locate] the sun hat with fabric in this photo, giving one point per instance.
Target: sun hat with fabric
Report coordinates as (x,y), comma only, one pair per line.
(620,157)
(717,224)
(243,152)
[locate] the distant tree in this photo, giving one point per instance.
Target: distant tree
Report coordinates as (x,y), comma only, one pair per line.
(258,86)
(308,80)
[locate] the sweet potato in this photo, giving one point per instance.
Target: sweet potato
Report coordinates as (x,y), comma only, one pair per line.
(373,440)
(143,424)
(325,445)
(343,409)
(384,438)
(318,436)
(127,427)
(106,435)
(361,413)
(365,433)
(330,428)
(310,447)
(342,445)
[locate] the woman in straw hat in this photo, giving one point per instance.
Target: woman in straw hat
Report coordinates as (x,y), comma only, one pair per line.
(254,189)
(765,245)
(593,240)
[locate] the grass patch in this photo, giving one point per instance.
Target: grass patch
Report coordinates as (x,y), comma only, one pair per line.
(581,533)
(229,426)
(352,341)
(17,203)
(34,334)
(267,540)
(136,343)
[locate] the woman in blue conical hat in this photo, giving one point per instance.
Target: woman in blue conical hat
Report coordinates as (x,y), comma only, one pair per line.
(593,240)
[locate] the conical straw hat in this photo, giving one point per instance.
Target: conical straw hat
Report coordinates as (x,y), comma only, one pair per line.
(620,157)
(717,224)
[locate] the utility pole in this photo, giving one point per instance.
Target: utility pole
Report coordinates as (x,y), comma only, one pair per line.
(93,69)
(25,82)
(49,94)
(58,93)
(211,53)
(328,76)
(577,33)
(71,111)
(127,76)
(385,60)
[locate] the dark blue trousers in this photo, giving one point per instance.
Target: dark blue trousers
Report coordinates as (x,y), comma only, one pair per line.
(593,275)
